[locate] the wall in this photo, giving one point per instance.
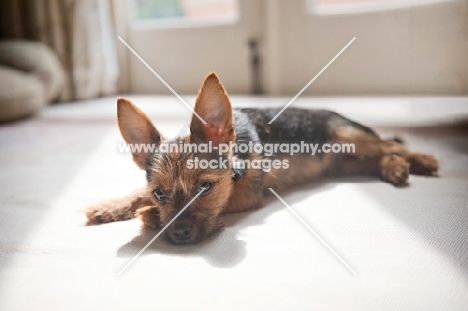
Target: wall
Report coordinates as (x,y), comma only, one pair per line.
(416,51)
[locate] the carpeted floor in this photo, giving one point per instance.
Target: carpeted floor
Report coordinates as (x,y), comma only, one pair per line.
(409,246)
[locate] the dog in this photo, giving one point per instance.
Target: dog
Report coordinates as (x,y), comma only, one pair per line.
(172,183)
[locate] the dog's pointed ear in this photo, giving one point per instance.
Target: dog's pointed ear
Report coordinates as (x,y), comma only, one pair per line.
(214,107)
(136,128)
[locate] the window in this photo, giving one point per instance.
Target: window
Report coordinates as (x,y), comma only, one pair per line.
(185,11)
(361,6)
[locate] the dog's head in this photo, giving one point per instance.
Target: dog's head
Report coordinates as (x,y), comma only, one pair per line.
(176,175)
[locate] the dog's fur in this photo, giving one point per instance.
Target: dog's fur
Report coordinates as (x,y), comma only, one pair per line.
(237,190)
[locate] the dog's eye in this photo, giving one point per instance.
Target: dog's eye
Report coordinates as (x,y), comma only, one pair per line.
(159,195)
(205,186)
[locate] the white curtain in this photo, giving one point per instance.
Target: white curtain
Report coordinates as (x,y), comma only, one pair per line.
(94,60)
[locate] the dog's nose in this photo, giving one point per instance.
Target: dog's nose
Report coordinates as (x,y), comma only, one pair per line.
(182,231)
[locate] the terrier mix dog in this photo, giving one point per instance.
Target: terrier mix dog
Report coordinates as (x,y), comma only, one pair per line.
(233,188)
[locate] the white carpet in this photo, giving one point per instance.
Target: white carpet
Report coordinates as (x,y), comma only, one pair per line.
(409,246)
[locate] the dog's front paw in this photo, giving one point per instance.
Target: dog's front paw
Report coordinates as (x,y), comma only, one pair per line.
(423,164)
(149,216)
(105,212)
(394,170)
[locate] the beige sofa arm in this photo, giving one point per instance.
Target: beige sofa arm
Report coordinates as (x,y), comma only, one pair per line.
(36,59)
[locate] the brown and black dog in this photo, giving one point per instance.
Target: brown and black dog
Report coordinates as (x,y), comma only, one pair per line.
(236,188)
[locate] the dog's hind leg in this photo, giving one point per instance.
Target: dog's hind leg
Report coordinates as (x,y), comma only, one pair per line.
(117,209)
(389,159)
